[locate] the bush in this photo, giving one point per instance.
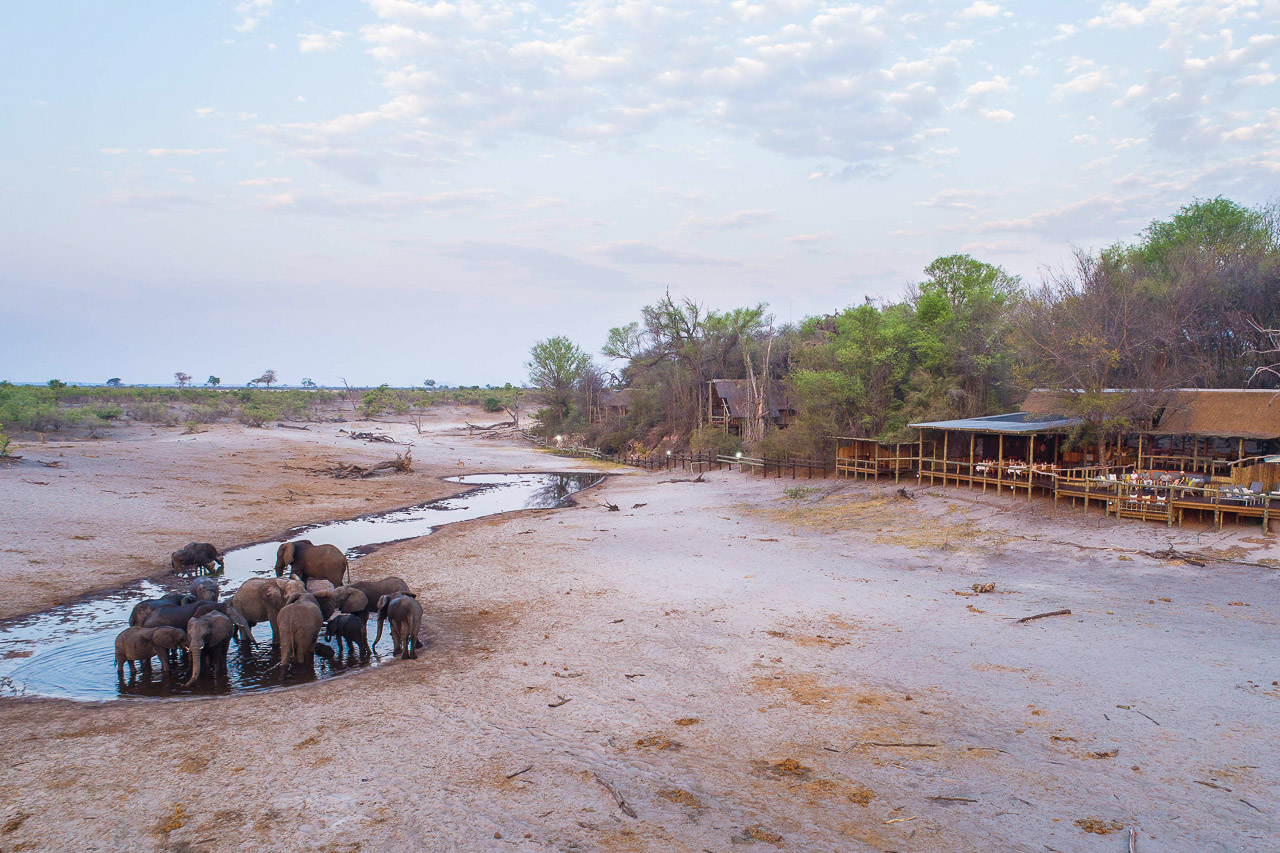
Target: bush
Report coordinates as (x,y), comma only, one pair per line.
(712,440)
(492,404)
(256,415)
(5,444)
(151,413)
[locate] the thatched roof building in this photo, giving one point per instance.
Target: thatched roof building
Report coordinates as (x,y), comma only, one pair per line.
(1206,412)
(729,403)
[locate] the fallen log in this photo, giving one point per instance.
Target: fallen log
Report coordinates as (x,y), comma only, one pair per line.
(350,471)
(373,436)
(617,795)
(291,426)
(1063,612)
(503,425)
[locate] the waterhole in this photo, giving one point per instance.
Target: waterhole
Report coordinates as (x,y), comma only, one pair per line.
(68,651)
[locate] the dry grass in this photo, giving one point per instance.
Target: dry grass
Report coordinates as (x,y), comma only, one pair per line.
(1098,827)
(688,721)
(680,797)
(14,823)
(176,819)
(834,790)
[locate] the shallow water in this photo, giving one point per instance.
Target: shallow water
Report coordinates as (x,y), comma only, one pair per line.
(68,651)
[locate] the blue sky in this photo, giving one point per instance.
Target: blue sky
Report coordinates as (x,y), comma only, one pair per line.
(394,190)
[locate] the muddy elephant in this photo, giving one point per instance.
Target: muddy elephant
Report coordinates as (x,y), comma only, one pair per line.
(196,555)
(405,615)
(299,623)
(374,590)
(208,639)
(351,629)
(205,589)
(308,560)
(143,609)
(260,599)
(134,644)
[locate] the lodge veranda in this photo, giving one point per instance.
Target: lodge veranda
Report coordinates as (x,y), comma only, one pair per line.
(1211,455)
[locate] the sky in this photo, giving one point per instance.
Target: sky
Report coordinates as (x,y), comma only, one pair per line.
(395,190)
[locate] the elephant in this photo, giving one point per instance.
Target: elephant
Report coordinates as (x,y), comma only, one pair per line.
(260,599)
(241,624)
(143,609)
(134,644)
(352,629)
(177,616)
(299,623)
(405,615)
(350,599)
(167,642)
(209,633)
(196,555)
(374,590)
(205,589)
(308,560)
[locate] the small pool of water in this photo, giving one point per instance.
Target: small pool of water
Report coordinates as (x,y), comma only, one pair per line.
(68,651)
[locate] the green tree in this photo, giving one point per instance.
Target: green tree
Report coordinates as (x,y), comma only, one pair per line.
(213,381)
(556,366)
(308,383)
(114,382)
(183,379)
(57,384)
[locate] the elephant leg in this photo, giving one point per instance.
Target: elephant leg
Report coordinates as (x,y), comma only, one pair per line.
(119,668)
(275,631)
(133,670)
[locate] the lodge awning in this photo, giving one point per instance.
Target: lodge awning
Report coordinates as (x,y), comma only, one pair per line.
(1014,423)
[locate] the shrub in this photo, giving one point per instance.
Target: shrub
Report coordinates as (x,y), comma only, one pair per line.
(151,413)
(712,440)
(5,444)
(492,404)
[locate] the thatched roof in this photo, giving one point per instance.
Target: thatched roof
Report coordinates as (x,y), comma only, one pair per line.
(619,399)
(736,394)
(1220,412)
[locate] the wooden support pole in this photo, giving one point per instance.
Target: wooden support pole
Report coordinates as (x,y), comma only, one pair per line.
(1139,451)
(972,438)
(1031,458)
(920,461)
(897,462)
(875,459)
(1000,465)
(945,437)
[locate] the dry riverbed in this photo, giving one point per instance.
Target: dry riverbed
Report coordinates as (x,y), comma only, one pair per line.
(716,664)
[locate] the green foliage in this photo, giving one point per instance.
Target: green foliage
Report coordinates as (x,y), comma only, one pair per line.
(57,384)
(114,382)
(5,444)
(492,404)
(799,493)
(213,381)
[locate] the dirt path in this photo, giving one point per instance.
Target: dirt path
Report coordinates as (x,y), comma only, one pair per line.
(733,665)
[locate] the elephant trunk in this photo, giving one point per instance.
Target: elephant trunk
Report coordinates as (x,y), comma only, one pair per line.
(379,634)
(195,664)
(246,632)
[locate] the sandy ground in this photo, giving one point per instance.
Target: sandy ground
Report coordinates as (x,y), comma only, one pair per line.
(741,667)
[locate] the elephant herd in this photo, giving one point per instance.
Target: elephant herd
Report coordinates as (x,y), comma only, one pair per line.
(201,625)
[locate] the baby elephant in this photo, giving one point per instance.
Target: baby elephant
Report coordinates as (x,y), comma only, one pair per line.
(353,629)
(142,644)
(196,555)
(405,615)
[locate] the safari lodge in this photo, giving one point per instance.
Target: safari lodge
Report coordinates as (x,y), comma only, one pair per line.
(1211,454)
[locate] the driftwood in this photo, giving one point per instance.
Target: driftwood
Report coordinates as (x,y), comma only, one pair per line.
(519,772)
(611,507)
(873,743)
(373,436)
(698,479)
(290,426)
(1063,612)
(1190,558)
(617,795)
(342,471)
(942,799)
(503,425)
(562,701)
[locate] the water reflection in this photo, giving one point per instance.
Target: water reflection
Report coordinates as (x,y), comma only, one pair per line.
(69,651)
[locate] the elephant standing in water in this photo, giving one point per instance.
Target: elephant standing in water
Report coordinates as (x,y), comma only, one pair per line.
(308,560)
(299,622)
(260,599)
(211,634)
(373,590)
(405,614)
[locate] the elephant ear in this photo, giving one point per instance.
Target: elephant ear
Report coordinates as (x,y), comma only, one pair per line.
(284,554)
(382,605)
(292,598)
(410,594)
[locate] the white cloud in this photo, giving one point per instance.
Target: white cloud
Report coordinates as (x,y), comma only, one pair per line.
(251,13)
(980,9)
(379,205)
(320,41)
(737,220)
(204,112)
(114,150)
(182,152)
(263,182)
(637,252)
